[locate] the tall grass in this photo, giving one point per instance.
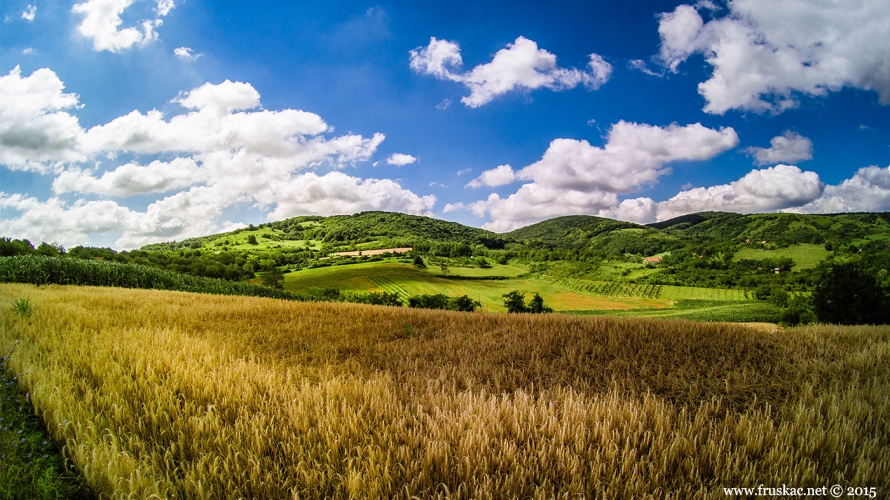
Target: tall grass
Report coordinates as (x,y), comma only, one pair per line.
(40,270)
(170,394)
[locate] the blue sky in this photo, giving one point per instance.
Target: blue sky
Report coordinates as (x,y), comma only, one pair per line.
(126,122)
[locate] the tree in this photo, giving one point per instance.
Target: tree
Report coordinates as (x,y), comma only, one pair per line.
(418,262)
(514,302)
(252,239)
(847,295)
(536,305)
(273,278)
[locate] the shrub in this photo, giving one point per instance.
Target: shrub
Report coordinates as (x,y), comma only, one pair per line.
(418,262)
(442,301)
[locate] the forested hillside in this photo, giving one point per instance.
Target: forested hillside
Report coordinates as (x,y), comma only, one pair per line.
(709,249)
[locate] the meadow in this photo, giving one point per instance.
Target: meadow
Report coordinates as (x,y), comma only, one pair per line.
(159,394)
(805,255)
(406,280)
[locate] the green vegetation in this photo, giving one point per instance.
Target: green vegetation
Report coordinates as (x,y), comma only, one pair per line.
(804,255)
(41,270)
(514,302)
(574,263)
(441,301)
(848,295)
(22,307)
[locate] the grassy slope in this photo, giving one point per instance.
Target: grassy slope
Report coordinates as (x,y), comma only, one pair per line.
(805,255)
(195,396)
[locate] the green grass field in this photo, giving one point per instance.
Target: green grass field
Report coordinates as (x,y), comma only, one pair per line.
(562,294)
(367,277)
(805,255)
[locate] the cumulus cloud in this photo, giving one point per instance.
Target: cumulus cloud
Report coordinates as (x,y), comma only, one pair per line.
(56,221)
(634,155)
(519,66)
(639,210)
(29,13)
(765,190)
(867,191)
(185,53)
(36,133)
(338,193)
(132,179)
(400,159)
(790,147)
(764,54)
(102,20)
(574,177)
(227,151)
(497,176)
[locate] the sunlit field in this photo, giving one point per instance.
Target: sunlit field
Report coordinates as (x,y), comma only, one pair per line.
(178,395)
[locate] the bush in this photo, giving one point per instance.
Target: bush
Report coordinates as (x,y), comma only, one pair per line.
(848,295)
(418,262)
(442,301)
(515,303)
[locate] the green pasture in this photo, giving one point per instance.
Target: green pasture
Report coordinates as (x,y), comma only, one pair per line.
(805,255)
(562,294)
(239,241)
(406,280)
(510,271)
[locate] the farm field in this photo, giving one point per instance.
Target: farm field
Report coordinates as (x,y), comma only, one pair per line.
(171,394)
(805,255)
(404,279)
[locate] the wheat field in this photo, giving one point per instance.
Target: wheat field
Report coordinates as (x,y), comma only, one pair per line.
(159,394)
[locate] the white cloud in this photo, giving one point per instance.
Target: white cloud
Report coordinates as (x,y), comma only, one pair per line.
(102,20)
(639,210)
(766,190)
(400,159)
(35,133)
(634,155)
(640,65)
(533,203)
(519,66)
(497,176)
(30,51)
(29,13)
(132,179)
(165,6)
(763,53)
(229,226)
(338,193)
(186,53)
(867,191)
(574,177)
(790,147)
(464,171)
(227,151)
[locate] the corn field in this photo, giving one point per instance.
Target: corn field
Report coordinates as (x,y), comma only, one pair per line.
(159,394)
(39,270)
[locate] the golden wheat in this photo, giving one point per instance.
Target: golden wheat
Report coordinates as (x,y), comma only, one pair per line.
(173,395)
